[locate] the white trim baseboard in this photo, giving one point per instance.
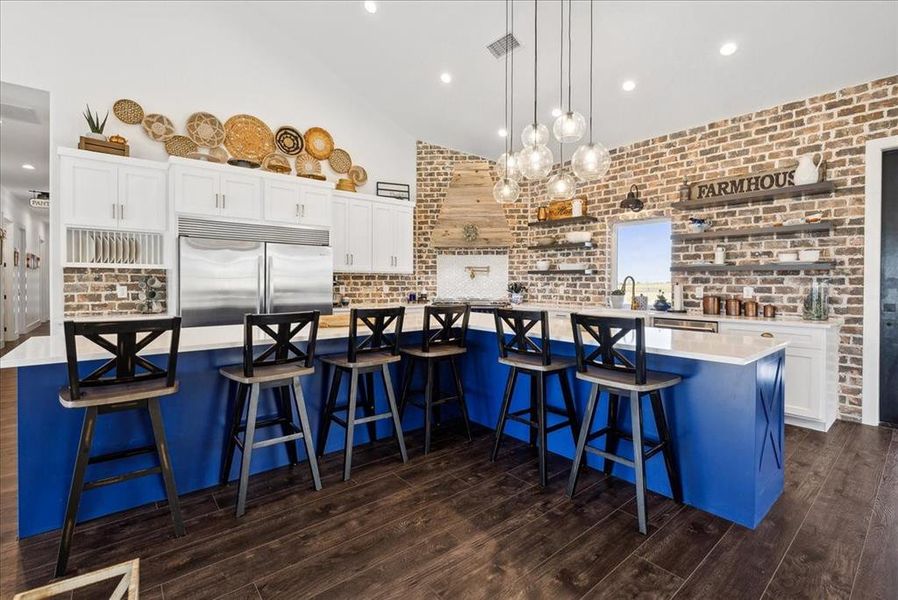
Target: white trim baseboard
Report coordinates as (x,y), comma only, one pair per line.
(872,262)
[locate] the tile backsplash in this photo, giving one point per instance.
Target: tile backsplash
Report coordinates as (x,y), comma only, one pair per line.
(454,278)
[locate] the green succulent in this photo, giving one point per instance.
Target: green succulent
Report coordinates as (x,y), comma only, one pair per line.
(93,121)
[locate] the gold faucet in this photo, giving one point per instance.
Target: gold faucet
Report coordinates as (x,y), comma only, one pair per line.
(634,305)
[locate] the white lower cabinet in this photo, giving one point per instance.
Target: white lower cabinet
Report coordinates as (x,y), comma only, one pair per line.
(811,375)
(371,235)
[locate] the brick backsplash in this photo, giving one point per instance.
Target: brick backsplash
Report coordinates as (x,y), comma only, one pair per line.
(91,291)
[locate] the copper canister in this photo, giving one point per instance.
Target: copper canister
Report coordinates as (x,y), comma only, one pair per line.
(711,305)
(750,308)
(733,307)
(769,311)
(542,213)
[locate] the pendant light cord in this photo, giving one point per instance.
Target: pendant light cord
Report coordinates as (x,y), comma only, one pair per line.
(510,127)
(507,126)
(535,53)
(570,65)
(591,4)
(561,73)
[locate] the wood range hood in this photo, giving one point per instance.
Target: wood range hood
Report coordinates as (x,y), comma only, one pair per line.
(469,216)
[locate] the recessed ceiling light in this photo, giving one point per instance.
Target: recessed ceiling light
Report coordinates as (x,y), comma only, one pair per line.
(628,86)
(503,133)
(556,112)
(446,78)
(371,7)
(729,49)
(28,167)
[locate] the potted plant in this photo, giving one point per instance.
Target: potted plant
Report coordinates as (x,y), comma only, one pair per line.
(516,290)
(661,303)
(96,127)
(616,298)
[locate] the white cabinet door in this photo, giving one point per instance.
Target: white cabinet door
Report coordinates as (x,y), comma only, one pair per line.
(339,237)
(804,394)
(142,199)
(196,191)
(359,238)
(314,207)
(91,193)
(241,196)
(403,234)
(383,256)
(282,201)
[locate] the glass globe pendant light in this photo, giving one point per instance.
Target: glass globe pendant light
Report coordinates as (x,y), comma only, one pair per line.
(590,161)
(507,190)
(570,126)
(535,158)
(561,185)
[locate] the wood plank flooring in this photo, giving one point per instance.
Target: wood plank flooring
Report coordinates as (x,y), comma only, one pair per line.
(452,524)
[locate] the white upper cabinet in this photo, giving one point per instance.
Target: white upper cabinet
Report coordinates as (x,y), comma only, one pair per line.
(405,231)
(112,192)
(297,203)
(315,206)
(393,228)
(371,234)
(339,234)
(196,191)
(241,196)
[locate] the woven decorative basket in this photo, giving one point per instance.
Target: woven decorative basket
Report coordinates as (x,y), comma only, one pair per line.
(128,111)
(276,163)
(289,140)
(319,143)
(180,145)
(307,165)
(358,174)
(215,155)
(205,129)
(248,138)
(158,127)
(340,161)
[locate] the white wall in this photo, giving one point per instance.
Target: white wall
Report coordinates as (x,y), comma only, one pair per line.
(36,228)
(176,58)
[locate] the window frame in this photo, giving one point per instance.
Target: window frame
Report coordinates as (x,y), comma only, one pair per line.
(631,223)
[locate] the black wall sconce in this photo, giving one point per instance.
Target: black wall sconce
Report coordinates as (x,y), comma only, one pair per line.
(632,201)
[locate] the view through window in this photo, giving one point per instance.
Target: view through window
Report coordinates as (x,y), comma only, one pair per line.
(642,250)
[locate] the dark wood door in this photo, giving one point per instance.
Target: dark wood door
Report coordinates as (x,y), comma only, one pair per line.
(888,341)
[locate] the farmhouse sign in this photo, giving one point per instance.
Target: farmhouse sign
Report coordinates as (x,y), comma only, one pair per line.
(740,184)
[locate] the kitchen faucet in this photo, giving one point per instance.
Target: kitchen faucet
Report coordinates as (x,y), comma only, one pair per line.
(634,305)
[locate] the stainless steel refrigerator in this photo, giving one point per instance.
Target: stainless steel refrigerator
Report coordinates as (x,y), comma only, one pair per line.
(220,280)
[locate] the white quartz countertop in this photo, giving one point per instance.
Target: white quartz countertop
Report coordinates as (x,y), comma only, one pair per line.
(721,348)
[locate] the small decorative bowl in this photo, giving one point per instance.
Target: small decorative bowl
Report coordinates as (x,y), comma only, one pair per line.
(578,237)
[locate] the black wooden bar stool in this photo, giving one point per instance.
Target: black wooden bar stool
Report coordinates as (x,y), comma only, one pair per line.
(609,370)
(445,343)
(528,357)
(278,367)
(137,383)
(366,356)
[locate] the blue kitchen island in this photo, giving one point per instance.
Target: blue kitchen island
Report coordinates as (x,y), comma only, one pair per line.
(726,418)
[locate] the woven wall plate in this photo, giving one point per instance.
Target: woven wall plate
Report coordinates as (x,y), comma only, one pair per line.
(180,145)
(128,111)
(307,165)
(289,140)
(358,174)
(158,127)
(340,161)
(248,138)
(315,176)
(205,129)
(276,163)
(319,143)
(214,155)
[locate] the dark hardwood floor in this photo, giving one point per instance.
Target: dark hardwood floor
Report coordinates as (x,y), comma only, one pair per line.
(452,525)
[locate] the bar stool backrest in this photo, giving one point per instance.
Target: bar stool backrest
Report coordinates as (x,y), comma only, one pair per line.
(605,355)
(126,365)
(282,328)
(521,322)
(452,326)
(376,321)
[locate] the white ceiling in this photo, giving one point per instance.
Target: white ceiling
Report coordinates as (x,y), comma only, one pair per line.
(787,51)
(24,142)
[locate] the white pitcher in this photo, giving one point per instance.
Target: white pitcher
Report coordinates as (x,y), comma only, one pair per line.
(808,171)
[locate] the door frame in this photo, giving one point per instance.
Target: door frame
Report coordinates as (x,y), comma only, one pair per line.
(872,266)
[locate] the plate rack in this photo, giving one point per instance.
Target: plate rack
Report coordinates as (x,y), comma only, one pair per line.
(112,248)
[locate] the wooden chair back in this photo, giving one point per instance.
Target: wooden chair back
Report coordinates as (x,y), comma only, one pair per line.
(520,323)
(378,339)
(451,326)
(604,354)
(129,338)
(282,328)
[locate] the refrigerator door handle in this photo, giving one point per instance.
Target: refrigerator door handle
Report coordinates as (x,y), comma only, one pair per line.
(269,284)
(260,302)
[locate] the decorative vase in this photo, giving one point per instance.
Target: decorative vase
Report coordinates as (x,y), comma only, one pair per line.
(516,298)
(816,302)
(807,171)
(542,213)
(577,207)
(661,306)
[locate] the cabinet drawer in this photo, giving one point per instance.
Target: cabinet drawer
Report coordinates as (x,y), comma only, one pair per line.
(796,336)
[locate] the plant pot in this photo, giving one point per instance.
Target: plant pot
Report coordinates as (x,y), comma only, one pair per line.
(616,301)
(95,136)
(661,306)
(516,298)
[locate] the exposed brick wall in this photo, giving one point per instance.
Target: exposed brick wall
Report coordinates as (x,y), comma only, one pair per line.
(91,291)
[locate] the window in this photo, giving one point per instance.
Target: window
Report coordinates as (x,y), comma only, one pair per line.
(642,249)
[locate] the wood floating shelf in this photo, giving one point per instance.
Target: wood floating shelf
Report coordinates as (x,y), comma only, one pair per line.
(562,272)
(564,246)
(736,233)
(821,187)
(780,266)
(565,221)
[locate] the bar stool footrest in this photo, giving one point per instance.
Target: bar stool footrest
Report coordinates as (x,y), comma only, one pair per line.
(613,457)
(123,477)
(279,440)
(120,454)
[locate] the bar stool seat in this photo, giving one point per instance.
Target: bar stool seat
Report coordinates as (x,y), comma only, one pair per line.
(117,393)
(609,378)
(535,363)
(266,374)
(438,352)
(372,361)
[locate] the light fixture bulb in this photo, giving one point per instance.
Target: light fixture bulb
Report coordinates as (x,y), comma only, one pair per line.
(556,112)
(371,7)
(28,167)
(590,161)
(729,49)
(569,127)
(506,191)
(509,165)
(535,134)
(628,86)
(503,132)
(446,78)
(561,186)
(536,161)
